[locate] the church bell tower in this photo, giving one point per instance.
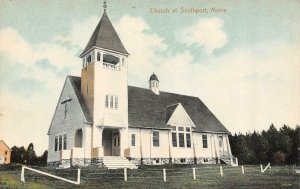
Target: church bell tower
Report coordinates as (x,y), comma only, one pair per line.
(104,76)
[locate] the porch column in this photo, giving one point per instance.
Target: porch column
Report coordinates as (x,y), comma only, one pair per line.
(123,140)
(101,56)
(97,141)
(87,141)
(228,145)
(170,145)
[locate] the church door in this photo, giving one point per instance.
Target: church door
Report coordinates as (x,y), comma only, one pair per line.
(116,143)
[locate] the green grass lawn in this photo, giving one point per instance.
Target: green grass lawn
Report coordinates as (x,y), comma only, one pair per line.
(178,176)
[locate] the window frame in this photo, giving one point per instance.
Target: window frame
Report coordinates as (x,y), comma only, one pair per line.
(133,140)
(64,142)
(111,102)
(155,139)
(179,132)
(204,141)
(98,56)
(89,59)
(220,142)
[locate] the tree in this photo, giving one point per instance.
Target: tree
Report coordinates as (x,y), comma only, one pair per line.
(30,156)
(241,150)
(42,160)
(15,156)
(260,147)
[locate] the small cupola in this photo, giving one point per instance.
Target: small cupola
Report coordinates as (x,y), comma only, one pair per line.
(154,84)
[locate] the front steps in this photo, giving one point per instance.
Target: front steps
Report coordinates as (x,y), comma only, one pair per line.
(117,162)
(228,161)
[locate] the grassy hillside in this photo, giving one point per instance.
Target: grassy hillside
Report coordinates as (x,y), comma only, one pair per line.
(178,176)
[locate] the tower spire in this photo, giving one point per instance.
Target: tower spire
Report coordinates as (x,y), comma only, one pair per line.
(104,5)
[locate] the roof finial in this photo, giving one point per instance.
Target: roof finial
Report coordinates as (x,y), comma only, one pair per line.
(104,5)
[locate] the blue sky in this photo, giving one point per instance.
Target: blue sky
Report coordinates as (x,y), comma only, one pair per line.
(243,63)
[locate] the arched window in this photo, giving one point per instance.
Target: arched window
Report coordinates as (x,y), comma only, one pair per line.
(98,56)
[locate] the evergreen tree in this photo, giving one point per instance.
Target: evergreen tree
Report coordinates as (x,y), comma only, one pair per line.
(31,158)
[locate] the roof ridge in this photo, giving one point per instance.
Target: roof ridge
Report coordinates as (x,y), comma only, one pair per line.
(165,92)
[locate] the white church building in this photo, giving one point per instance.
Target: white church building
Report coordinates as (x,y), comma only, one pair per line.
(101,120)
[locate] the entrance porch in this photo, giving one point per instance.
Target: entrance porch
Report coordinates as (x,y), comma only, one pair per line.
(111,142)
(108,141)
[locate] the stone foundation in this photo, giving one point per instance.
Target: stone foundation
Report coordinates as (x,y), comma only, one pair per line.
(206,160)
(162,161)
(76,162)
(183,160)
(97,161)
(79,162)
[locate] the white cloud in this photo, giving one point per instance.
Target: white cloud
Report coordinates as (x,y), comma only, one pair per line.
(206,33)
(24,112)
(246,90)
(142,45)
(79,34)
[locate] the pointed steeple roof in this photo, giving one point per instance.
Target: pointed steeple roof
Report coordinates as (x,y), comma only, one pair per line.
(105,36)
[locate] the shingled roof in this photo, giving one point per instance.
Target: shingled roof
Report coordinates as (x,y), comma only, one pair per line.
(148,110)
(105,36)
(76,84)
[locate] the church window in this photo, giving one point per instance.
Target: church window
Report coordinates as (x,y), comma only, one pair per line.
(116,102)
(65,142)
(155,138)
(110,59)
(181,137)
(56,144)
(60,142)
(132,139)
(78,138)
(111,102)
(188,140)
(98,56)
(111,62)
(87,89)
(220,141)
(204,141)
(106,101)
(174,139)
(89,59)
